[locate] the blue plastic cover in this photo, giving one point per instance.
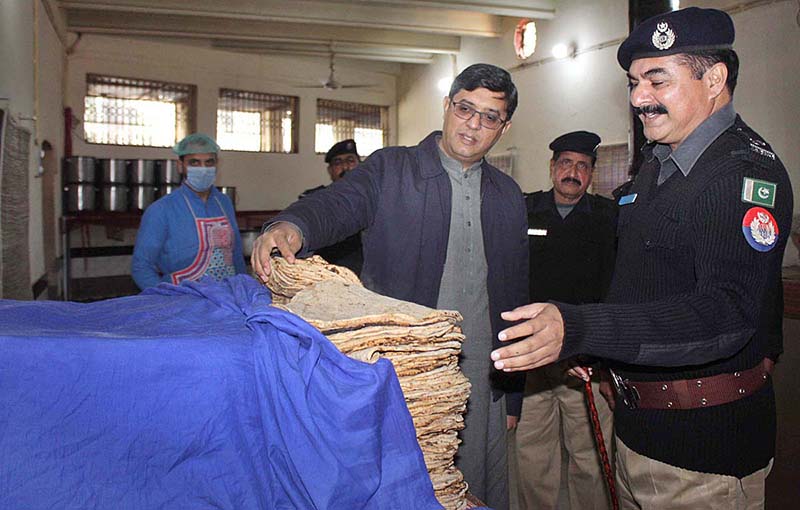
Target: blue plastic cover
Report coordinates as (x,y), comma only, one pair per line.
(196,396)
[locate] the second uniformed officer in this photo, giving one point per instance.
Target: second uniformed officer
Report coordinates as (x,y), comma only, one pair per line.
(341,158)
(572,239)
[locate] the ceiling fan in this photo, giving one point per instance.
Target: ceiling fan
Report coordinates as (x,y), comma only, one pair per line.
(331,83)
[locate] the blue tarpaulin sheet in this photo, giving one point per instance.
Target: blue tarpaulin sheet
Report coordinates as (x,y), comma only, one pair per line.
(192,397)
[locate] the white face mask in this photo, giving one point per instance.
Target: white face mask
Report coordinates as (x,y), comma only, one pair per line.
(201,178)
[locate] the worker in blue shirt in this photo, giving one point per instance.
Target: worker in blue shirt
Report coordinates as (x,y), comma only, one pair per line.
(191,232)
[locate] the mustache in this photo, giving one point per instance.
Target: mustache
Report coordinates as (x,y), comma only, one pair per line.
(650,108)
(571,179)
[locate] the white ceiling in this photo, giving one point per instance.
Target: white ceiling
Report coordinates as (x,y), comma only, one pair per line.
(410,31)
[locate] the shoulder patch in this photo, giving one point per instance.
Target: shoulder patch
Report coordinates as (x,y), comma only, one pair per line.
(760,229)
(758,192)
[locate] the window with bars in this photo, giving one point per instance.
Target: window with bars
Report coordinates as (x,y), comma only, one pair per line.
(256,121)
(130,111)
(367,124)
(611,168)
(503,161)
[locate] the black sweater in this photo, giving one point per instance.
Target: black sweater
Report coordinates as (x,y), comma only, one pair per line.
(691,298)
(572,258)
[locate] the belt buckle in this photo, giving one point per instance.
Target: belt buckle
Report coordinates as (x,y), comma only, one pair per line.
(630,397)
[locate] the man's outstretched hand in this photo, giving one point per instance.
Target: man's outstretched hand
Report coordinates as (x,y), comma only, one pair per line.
(542,337)
(284,237)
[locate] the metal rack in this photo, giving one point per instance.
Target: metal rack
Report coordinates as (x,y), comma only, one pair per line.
(247,220)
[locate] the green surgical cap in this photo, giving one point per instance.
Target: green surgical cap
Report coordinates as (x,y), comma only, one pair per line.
(196,143)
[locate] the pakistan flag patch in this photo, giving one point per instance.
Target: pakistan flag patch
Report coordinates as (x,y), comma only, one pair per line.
(758,192)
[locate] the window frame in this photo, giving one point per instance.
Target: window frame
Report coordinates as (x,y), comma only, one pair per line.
(191,108)
(295,130)
(613,162)
(352,107)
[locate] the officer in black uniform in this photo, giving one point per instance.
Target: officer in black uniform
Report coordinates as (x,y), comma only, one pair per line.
(571,232)
(341,158)
(572,238)
(691,325)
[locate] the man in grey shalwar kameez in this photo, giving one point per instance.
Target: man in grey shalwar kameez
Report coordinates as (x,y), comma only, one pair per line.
(443,228)
(463,288)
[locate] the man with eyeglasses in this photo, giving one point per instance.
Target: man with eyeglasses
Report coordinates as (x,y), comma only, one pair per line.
(341,158)
(445,229)
(572,249)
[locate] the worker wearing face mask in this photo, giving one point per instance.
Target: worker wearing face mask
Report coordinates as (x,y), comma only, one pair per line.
(191,232)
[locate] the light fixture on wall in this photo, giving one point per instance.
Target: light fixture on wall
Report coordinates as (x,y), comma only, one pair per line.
(525,39)
(444,84)
(563,51)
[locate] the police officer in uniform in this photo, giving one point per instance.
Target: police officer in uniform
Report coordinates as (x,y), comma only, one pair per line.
(341,158)
(572,238)
(571,232)
(691,325)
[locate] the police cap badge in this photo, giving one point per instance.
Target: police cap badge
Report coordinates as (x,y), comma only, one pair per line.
(680,31)
(343,147)
(583,142)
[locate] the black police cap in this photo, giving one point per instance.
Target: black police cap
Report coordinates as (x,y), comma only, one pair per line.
(343,147)
(678,31)
(583,142)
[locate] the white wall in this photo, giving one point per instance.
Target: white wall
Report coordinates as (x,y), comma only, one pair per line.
(16,55)
(17,93)
(589,92)
(18,31)
(768,92)
(586,92)
(767,97)
(419,101)
(50,127)
(263,181)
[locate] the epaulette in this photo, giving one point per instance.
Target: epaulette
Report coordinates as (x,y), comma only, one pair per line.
(533,199)
(761,148)
(621,190)
(604,201)
(753,148)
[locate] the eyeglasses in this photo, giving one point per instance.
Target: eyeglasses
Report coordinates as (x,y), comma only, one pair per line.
(565,163)
(489,120)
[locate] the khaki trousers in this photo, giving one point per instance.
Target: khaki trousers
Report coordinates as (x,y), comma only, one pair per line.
(645,484)
(555,415)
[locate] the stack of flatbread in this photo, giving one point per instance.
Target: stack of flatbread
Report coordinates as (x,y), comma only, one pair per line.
(423,344)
